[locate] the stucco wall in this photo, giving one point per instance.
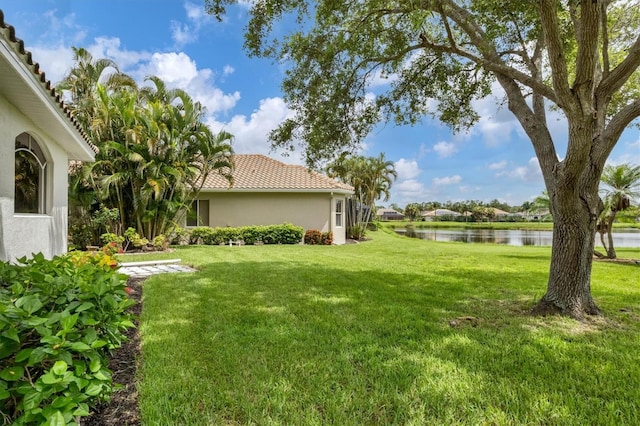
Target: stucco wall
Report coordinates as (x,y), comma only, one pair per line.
(24,234)
(309,210)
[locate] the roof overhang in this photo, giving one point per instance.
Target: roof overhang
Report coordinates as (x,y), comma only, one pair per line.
(276,190)
(23,88)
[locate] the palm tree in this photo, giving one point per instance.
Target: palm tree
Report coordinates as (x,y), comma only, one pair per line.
(83,79)
(621,186)
(371,179)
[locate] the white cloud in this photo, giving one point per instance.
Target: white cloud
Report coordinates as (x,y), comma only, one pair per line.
(110,47)
(408,191)
(252,133)
(498,166)
(465,189)
(530,172)
(447,180)
(179,70)
(407,169)
(196,13)
(228,70)
(56,62)
(182,34)
(445,149)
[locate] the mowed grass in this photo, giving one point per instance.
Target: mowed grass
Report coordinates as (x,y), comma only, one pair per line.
(391,331)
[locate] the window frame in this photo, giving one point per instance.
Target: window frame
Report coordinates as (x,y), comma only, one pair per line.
(338,212)
(200,220)
(26,143)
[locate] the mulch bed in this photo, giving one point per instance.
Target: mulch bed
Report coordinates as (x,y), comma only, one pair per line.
(122,410)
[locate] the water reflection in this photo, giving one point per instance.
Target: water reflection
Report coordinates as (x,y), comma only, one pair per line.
(513,237)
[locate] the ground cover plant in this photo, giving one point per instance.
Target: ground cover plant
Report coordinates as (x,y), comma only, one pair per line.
(390,331)
(59,319)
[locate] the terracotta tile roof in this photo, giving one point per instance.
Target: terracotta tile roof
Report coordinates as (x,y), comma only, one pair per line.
(261,173)
(9,34)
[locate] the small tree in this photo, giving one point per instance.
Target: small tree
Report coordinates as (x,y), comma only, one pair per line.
(371,178)
(412,211)
(620,187)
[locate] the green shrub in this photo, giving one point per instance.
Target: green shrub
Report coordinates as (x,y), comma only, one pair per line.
(269,234)
(81,236)
(180,236)
(200,234)
(58,320)
(134,238)
(160,242)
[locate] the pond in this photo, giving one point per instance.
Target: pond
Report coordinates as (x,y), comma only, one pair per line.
(513,237)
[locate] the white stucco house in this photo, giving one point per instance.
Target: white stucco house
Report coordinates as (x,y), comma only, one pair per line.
(269,192)
(38,137)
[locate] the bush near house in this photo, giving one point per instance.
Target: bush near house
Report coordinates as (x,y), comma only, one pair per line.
(58,320)
(315,237)
(265,234)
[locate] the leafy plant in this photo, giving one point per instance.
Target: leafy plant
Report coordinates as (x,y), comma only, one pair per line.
(269,234)
(327,238)
(134,238)
(58,320)
(312,237)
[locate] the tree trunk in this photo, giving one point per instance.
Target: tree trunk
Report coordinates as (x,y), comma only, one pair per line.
(611,250)
(569,287)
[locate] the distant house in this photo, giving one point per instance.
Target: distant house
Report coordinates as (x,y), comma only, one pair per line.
(430,215)
(389,214)
(38,137)
(500,214)
(268,192)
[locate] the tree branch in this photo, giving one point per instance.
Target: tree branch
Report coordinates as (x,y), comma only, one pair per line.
(620,74)
(557,60)
(586,60)
(605,40)
(614,129)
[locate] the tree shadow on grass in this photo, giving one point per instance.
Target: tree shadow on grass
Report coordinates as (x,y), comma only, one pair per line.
(298,343)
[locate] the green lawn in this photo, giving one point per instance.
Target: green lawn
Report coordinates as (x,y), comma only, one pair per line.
(391,331)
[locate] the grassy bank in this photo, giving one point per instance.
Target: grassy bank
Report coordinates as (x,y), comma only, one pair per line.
(528,226)
(391,331)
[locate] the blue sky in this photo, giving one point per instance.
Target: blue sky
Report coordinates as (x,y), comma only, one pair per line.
(177,41)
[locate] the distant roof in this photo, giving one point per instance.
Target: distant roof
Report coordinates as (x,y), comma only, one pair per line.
(499,212)
(8,34)
(440,212)
(382,212)
(260,173)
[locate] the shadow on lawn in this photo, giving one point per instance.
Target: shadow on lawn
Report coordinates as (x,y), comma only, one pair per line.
(380,341)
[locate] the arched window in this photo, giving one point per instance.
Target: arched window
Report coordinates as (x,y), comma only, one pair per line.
(30,176)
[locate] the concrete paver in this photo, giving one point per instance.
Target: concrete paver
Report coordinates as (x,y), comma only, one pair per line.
(144,269)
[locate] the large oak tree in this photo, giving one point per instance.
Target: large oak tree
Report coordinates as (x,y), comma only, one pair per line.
(580,57)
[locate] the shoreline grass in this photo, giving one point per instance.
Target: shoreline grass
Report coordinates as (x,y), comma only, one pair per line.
(524,226)
(391,331)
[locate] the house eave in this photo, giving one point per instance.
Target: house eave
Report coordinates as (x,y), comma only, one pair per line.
(23,88)
(279,190)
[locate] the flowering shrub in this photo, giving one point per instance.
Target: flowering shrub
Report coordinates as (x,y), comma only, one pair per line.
(315,237)
(327,238)
(58,320)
